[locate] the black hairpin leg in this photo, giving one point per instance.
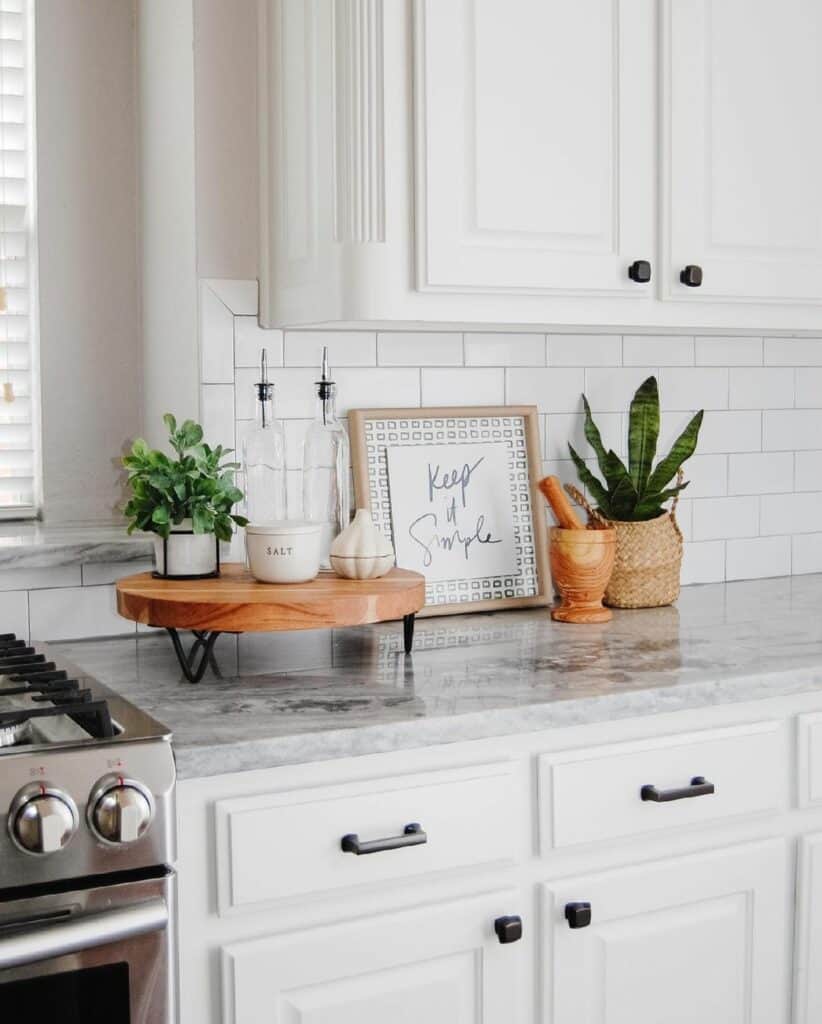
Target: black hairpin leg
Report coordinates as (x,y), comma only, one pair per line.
(193,669)
(408,631)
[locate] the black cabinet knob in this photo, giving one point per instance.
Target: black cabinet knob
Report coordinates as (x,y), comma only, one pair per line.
(691,276)
(508,929)
(640,271)
(578,915)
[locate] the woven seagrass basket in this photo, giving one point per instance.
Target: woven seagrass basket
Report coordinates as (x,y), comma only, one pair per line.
(648,558)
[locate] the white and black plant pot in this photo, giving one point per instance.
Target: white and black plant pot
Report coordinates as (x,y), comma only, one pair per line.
(186,555)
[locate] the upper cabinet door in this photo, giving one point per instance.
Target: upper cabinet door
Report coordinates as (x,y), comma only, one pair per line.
(534,145)
(742,148)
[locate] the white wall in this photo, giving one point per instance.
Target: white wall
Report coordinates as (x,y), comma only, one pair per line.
(225,77)
(89,293)
(167,212)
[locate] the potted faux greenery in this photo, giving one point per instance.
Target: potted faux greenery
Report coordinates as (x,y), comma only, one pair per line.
(632,499)
(185,502)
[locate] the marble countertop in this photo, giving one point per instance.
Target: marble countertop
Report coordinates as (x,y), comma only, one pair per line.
(39,546)
(474,676)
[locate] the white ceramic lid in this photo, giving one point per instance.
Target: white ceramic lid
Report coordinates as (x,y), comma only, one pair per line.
(283,527)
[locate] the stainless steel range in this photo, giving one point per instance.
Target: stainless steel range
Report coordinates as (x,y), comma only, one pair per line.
(86,885)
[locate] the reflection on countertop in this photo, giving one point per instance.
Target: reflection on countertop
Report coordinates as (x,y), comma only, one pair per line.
(301,697)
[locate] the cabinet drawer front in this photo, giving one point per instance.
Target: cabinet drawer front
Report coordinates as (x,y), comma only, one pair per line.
(597,794)
(287,844)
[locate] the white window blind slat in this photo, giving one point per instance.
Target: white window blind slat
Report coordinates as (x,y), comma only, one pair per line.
(18,441)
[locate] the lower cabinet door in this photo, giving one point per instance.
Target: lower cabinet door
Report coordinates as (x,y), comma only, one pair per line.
(702,939)
(808,959)
(442,964)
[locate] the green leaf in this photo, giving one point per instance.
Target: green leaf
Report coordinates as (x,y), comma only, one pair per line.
(615,470)
(682,449)
(191,434)
(170,422)
(643,432)
(587,478)
(651,505)
(160,515)
(202,520)
(592,436)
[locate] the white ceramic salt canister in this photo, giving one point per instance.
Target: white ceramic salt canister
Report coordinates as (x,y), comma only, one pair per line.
(284,551)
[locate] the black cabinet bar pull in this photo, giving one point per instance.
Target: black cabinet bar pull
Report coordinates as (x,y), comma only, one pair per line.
(412,835)
(698,787)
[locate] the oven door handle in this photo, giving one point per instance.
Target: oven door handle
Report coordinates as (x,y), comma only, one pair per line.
(82,932)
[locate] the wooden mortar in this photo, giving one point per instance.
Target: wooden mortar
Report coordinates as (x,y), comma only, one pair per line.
(581,563)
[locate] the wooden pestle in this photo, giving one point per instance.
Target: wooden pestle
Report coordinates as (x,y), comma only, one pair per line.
(562,508)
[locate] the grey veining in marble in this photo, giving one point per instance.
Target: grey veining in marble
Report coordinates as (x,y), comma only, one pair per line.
(35,546)
(472,676)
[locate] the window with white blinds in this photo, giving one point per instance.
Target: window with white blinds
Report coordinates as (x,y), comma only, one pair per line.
(17,366)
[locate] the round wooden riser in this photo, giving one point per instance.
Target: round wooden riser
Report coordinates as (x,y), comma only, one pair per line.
(236,603)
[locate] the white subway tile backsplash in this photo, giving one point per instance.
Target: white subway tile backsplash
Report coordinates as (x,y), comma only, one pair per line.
(758,557)
(693,388)
(703,562)
(808,471)
(610,390)
(730,431)
(474,386)
(760,472)
(551,390)
(217,414)
(564,427)
(722,518)
(657,350)
(808,387)
(36,579)
(505,350)
(707,475)
(759,387)
(791,429)
(345,348)
(216,339)
(793,351)
(753,507)
(791,513)
(97,573)
(14,613)
(806,552)
(728,351)
(406,348)
(75,612)
(376,388)
(250,339)
(584,350)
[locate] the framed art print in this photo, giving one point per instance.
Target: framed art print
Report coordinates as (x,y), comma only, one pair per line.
(456,491)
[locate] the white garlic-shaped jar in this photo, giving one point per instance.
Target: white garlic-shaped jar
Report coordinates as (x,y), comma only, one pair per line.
(361,551)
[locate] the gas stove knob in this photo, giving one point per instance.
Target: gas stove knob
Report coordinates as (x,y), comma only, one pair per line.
(42,819)
(120,810)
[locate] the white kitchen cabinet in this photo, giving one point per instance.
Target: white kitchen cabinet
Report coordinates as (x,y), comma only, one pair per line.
(742,148)
(808,959)
(441,964)
(534,145)
(702,938)
(482,163)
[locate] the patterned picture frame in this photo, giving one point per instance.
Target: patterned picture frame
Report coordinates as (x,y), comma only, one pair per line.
(372,431)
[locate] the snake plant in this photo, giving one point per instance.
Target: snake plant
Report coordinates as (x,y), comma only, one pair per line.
(637,492)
